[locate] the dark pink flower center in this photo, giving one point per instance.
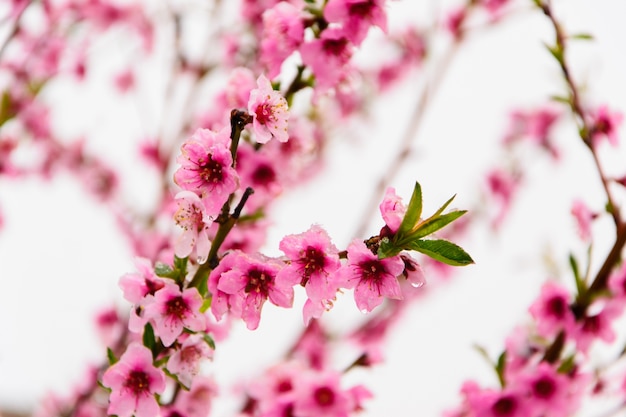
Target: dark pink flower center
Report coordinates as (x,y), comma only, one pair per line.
(259,282)
(336,47)
(324,396)
(176,307)
(591,324)
(603,125)
(211,171)
(190,354)
(264,175)
(264,113)
(544,388)
(153,286)
(557,307)
(138,382)
(372,271)
(361,9)
(313,261)
(505,406)
(284,385)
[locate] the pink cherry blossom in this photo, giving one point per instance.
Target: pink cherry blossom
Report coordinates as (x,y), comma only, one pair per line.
(328,57)
(597,324)
(133,381)
(197,401)
(605,122)
(313,260)
(206,168)
(139,289)
(185,361)
(191,216)
(551,310)
(250,282)
(392,209)
(536,126)
(270,112)
(356,17)
(584,217)
(173,310)
(372,278)
(548,391)
(320,394)
(283,32)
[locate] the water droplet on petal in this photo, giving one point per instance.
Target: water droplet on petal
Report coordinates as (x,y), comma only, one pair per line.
(417,284)
(202,259)
(364,311)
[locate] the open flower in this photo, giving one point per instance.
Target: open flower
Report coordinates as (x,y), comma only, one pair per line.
(270,112)
(191,216)
(173,310)
(371,278)
(133,381)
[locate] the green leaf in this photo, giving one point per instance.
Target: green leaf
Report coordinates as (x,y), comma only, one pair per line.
(206,304)
(567,365)
(582,36)
(180,264)
(387,249)
(209,341)
(442,251)
(500,368)
(556,52)
(435,223)
(413,211)
(148,336)
(111,356)
(7,110)
(442,208)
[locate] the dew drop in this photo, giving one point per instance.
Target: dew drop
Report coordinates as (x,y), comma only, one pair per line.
(202,259)
(418,284)
(364,311)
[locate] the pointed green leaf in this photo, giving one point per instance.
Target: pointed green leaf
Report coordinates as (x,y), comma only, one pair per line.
(435,223)
(556,52)
(413,211)
(209,341)
(148,336)
(206,304)
(442,251)
(111,356)
(500,368)
(582,36)
(442,208)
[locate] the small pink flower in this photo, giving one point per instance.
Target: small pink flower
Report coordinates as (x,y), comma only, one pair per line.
(191,216)
(283,32)
(328,57)
(548,390)
(270,111)
(185,361)
(320,394)
(206,168)
(313,260)
(492,403)
(605,122)
(372,278)
(197,401)
(250,282)
(133,381)
(392,209)
(356,17)
(551,310)
(597,324)
(173,310)
(584,216)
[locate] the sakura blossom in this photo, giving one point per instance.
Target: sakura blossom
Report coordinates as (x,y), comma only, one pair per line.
(186,360)
(134,381)
(313,261)
(174,310)
(604,123)
(270,112)
(250,282)
(283,32)
(551,310)
(206,168)
(328,57)
(356,17)
(372,278)
(191,216)
(392,209)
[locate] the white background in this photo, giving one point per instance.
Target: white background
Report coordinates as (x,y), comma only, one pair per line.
(61,254)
